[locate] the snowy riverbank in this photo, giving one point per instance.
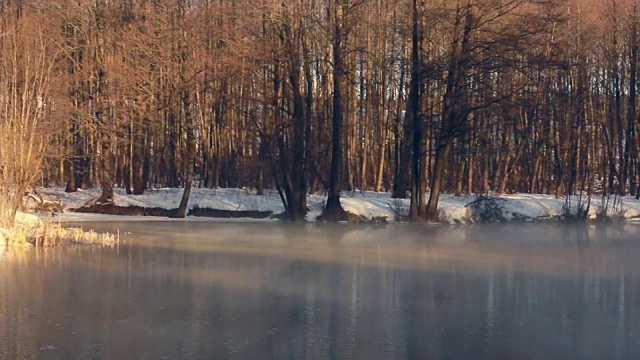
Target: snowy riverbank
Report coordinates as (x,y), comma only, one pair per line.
(523,207)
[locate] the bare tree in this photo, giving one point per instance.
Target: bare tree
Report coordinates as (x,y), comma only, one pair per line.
(342,20)
(26,73)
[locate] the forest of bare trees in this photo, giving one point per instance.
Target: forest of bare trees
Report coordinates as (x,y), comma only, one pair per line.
(414,97)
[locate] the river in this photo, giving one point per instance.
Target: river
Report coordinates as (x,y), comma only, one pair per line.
(191,290)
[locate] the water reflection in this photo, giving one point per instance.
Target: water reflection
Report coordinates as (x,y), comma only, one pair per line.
(190,290)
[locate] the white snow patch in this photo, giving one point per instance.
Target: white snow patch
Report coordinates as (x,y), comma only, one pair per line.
(24,219)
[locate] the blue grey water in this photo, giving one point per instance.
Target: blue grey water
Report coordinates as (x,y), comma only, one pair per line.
(200,290)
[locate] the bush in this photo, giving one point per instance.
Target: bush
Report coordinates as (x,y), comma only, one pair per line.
(611,209)
(576,211)
(399,209)
(487,209)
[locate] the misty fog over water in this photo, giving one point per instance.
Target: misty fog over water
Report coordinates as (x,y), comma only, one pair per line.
(325,291)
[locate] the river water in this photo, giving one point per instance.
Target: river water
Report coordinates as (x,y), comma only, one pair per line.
(189,290)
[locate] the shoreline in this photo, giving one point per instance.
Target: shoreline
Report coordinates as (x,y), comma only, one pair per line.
(231,205)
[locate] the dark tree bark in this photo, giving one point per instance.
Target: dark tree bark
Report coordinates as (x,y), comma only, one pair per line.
(107,170)
(333,210)
(401,174)
(189,155)
(418,188)
(634,60)
(298,178)
(185,79)
(138,162)
(455,105)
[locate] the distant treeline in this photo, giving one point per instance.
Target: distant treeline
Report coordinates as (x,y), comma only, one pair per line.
(413,97)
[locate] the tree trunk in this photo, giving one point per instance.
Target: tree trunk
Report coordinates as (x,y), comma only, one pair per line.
(298,203)
(189,155)
(333,211)
(107,171)
(455,106)
(442,155)
(138,162)
(416,210)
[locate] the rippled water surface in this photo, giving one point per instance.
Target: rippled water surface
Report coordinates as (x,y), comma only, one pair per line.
(187,290)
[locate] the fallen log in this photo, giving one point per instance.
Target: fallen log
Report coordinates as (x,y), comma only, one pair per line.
(112,209)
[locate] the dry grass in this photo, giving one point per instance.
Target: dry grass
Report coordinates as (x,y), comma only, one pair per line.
(48,234)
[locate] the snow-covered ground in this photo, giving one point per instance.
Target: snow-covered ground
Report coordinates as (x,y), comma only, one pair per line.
(369,204)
